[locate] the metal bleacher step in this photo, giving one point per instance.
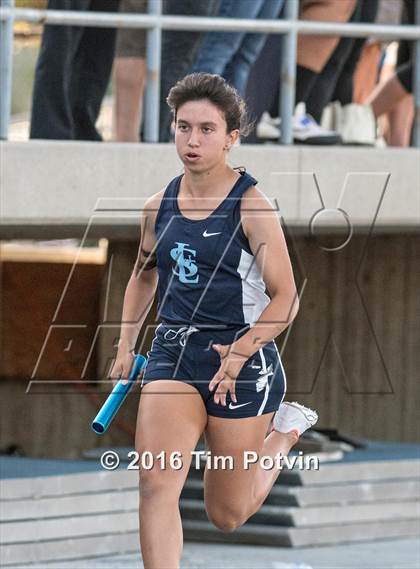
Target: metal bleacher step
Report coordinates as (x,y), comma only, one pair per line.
(344,472)
(69,548)
(280,536)
(71,527)
(343,494)
(68,484)
(359,492)
(315,516)
(341,502)
(106,503)
(67,516)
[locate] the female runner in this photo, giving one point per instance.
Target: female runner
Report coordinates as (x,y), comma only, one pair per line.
(213,243)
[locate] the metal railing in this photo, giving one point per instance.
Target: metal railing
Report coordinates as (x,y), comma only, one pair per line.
(154,22)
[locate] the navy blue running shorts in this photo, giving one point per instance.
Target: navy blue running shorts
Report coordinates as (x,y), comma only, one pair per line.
(185,353)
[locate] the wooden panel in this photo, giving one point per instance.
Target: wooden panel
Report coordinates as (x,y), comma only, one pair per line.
(31,295)
(352,352)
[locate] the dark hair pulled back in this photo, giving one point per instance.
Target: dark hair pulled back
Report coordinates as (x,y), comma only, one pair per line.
(197,86)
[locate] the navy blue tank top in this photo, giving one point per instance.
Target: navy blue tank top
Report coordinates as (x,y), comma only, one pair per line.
(207,272)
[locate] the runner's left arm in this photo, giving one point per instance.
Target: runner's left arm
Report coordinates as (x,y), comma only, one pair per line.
(261,225)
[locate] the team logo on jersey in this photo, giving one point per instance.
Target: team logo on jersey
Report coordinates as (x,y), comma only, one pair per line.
(186,268)
(263,379)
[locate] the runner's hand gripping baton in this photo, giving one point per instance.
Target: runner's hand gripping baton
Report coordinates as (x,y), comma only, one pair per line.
(116,398)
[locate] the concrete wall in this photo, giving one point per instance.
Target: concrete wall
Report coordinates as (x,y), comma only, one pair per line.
(46,184)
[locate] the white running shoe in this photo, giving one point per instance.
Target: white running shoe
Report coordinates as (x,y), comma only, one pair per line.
(268,127)
(294,417)
(307,131)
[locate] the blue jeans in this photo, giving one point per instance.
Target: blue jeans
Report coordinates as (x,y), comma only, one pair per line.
(232,54)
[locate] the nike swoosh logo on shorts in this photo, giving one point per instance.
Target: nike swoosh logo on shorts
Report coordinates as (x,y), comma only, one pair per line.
(236,406)
(205,234)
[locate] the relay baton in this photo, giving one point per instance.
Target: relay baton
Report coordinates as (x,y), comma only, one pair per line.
(116,398)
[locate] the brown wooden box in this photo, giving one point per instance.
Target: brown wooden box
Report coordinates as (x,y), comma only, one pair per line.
(50,298)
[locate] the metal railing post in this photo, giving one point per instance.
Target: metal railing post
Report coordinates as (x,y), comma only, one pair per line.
(416,82)
(6,61)
(152,95)
(288,74)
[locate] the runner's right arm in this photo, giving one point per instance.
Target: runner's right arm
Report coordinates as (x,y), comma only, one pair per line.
(140,291)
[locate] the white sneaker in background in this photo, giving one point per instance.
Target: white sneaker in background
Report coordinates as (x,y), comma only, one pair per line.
(307,131)
(268,127)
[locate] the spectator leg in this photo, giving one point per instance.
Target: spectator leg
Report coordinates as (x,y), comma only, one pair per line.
(343,91)
(324,86)
(264,83)
(313,51)
(129,82)
(91,73)
(344,84)
(219,48)
(130,72)
(366,73)
(401,123)
(238,69)
(51,116)
(386,95)
(305,80)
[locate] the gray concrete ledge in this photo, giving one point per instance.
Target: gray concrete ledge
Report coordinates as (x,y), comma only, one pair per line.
(54,186)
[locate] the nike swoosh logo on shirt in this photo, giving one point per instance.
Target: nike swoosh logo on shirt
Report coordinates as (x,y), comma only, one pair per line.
(205,234)
(236,406)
